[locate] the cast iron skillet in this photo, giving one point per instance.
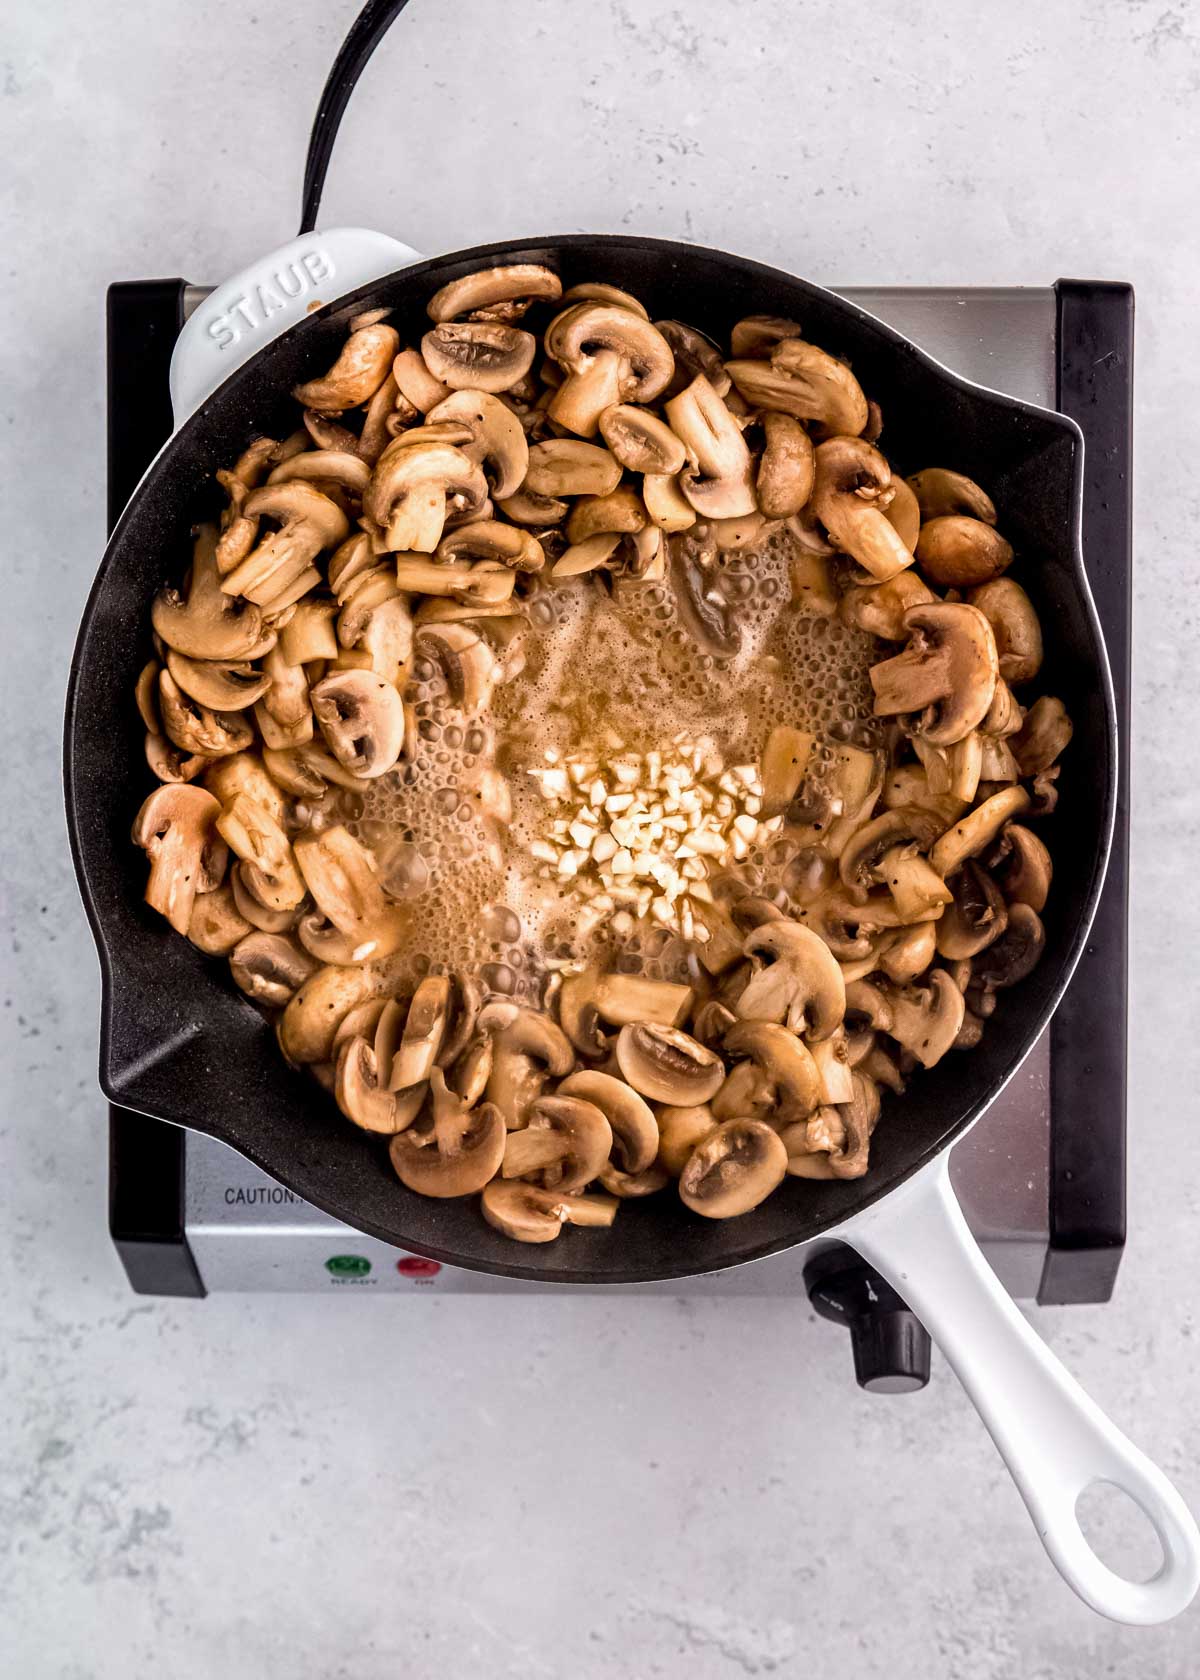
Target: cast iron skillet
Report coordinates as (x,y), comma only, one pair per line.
(179,1042)
(178,1039)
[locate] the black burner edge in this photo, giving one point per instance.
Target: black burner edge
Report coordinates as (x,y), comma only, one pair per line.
(146,1157)
(1088,1043)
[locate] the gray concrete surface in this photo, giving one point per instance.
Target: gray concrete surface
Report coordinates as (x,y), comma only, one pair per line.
(277,1487)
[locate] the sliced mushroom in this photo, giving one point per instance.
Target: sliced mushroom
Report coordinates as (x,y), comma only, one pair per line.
(246,773)
(909,954)
(757,335)
(171,763)
(806,382)
(569,467)
(851,489)
(831,1058)
(456,1153)
(1013,957)
(788,1075)
(940,491)
(526,508)
(478,355)
(424,1031)
(862,859)
(947,673)
(490,541)
(610,355)
(254,836)
(1015,626)
(338,872)
(221,685)
(216,925)
(902,512)
(680,1129)
(734,1169)
(270,968)
(1043,737)
(722,484)
(977,916)
(977,829)
(879,608)
(667,1065)
(621,511)
(1022,866)
(495,290)
(785,758)
(566,1142)
(640,441)
(361,1093)
(527,1213)
(310,1022)
(926,1020)
(589,997)
(628,1186)
(361,368)
(694,354)
(634,1128)
(204,622)
(469,665)
(666,503)
(803,985)
(342,467)
(957,552)
(703,610)
(194,728)
(308,523)
(173,827)
(412,487)
(496,442)
(362,719)
(528,1048)
(786,468)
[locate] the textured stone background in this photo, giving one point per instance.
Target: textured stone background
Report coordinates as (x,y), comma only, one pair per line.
(278,1487)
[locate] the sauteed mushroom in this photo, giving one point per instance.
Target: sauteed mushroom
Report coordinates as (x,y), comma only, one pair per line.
(734,1169)
(667,1065)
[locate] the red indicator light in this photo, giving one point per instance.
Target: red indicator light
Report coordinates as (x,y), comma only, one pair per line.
(416,1266)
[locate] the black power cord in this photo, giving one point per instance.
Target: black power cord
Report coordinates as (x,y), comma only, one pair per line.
(366,32)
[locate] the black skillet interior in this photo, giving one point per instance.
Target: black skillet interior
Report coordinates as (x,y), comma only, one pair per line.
(177,1039)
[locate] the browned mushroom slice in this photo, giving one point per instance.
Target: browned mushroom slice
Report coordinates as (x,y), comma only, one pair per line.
(902,512)
(453,1154)
(422,1035)
(666,503)
(412,488)
(667,1065)
(360,1092)
(589,997)
(478,355)
(757,335)
(968,837)
(216,925)
(308,523)
(1022,866)
(570,467)
(621,510)
(734,1169)
(680,1129)
(851,489)
(909,953)
(879,608)
(862,861)
(311,1020)
(802,984)
(204,622)
(947,673)
(254,836)
(362,719)
(976,917)
(640,441)
(470,666)
(495,439)
(528,1048)
(806,382)
(1015,626)
(722,484)
(171,763)
(926,1020)
(221,685)
(788,1075)
(634,1129)
(565,1143)
(527,1213)
(194,728)
(173,827)
(1043,737)
(338,872)
(361,368)
(270,968)
(630,1186)
(1014,956)
(494,289)
(610,355)
(694,354)
(958,552)
(786,467)
(940,491)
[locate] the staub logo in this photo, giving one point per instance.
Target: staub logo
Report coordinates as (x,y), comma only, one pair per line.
(303,273)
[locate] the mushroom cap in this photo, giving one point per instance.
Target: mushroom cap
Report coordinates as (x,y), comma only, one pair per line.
(489,539)
(203,622)
(425,475)
(786,468)
(307,1027)
(362,718)
(757,335)
(361,368)
(344,467)
(975,918)
(454,1158)
(852,487)
(722,485)
(926,1020)
(487,287)
(785,1062)
(571,467)
(734,1169)
(216,925)
(567,1140)
(940,491)
(802,985)
(958,552)
(1016,954)
(947,673)
(634,1128)
(806,382)
(478,355)
(1023,866)
(296,504)
(221,685)
(668,1065)
(467,660)
(497,441)
(976,830)
(360,1092)
(879,608)
(680,1129)
(1015,625)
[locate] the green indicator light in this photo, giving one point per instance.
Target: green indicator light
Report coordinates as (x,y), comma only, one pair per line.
(347,1265)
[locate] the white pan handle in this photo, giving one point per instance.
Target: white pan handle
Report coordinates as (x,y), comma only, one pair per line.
(256,305)
(1055,1440)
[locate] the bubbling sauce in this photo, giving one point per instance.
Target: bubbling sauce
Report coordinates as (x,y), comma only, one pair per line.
(609,667)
